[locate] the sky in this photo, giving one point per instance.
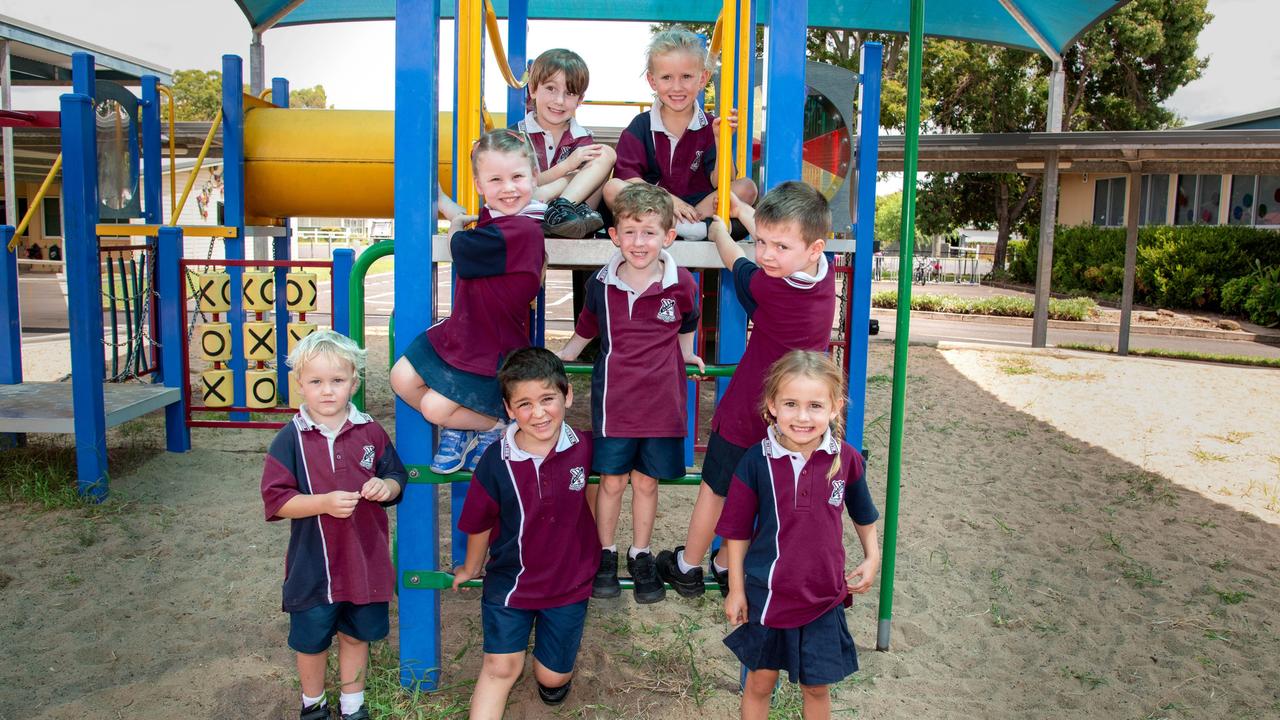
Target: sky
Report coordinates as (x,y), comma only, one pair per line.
(356,65)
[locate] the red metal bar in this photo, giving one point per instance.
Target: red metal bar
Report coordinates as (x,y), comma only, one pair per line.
(257,263)
(232,408)
(30,118)
(236,424)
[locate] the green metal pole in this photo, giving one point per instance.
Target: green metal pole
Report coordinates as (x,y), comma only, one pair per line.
(356,298)
(903,327)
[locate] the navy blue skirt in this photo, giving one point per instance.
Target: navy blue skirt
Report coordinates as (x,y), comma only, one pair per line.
(474,392)
(820,653)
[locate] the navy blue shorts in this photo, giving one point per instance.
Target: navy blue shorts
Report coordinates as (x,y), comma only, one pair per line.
(474,392)
(558,632)
(661,458)
(820,653)
(311,631)
(719,462)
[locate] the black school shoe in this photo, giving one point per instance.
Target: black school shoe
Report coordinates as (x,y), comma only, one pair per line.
(555,695)
(605,585)
(567,219)
(688,584)
(319,711)
(722,578)
(644,572)
(361,714)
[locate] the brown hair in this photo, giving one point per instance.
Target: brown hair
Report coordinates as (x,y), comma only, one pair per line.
(796,202)
(503,140)
(639,199)
(576,76)
(818,366)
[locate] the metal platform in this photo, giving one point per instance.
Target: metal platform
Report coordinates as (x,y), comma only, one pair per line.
(46,407)
(593,252)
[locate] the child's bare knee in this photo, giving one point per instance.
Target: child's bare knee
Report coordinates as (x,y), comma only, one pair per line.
(347,640)
(613,484)
(403,377)
(643,485)
(550,678)
(760,684)
(816,692)
(607,156)
(506,666)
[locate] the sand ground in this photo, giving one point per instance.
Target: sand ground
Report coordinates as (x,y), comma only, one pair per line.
(1081,536)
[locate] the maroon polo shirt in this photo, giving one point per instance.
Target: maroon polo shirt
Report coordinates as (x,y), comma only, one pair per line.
(548,151)
(795,564)
(333,559)
(792,313)
(647,150)
(638,387)
(498,266)
(544,549)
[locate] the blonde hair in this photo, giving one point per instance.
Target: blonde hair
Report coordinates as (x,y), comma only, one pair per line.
(503,140)
(817,366)
(330,344)
(639,199)
(576,76)
(676,38)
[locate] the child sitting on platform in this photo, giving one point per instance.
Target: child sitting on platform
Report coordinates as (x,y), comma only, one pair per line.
(448,373)
(528,497)
(644,308)
(789,295)
(673,145)
(332,470)
(784,538)
(572,166)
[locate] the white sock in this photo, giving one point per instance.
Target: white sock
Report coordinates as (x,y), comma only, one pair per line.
(717,566)
(684,566)
(612,548)
(350,702)
(692,231)
(309,701)
(634,552)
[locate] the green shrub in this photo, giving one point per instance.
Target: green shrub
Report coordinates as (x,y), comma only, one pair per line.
(1255,296)
(999,305)
(1182,267)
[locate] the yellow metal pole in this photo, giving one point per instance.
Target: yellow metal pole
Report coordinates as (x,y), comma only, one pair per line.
(499,52)
(746,58)
(724,148)
(173,154)
(191,180)
(470,57)
(35,202)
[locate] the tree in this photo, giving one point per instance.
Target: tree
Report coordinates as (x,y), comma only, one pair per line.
(888,230)
(312,97)
(197,95)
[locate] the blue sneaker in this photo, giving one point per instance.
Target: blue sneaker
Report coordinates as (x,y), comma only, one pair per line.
(454,446)
(483,441)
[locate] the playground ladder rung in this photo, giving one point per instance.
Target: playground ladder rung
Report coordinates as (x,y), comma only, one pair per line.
(422,474)
(209,231)
(441,580)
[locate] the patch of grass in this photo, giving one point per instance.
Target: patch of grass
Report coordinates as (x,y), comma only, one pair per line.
(1235,437)
(1220,565)
(47,480)
(1148,486)
(1179,355)
(1016,433)
(387,699)
(1070,508)
(1048,627)
(1204,456)
(1085,677)
(1016,365)
(1231,597)
(998,305)
(1203,523)
(1140,574)
(879,379)
(1003,527)
(1113,541)
(676,660)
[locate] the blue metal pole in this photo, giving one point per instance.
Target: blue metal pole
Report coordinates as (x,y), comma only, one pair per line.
(173,324)
(517,54)
(152,175)
(11,335)
(867,149)
(83,75)
(280,250)
(343,260)
(233,216)
(785,61)
(84,284)
(418,546)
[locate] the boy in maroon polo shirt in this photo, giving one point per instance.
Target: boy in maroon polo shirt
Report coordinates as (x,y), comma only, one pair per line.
(332,470)
(572,166)
(673,145)
(528,498)
(645,310)
(789,295)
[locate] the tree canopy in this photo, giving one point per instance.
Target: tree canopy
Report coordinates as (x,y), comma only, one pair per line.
(197,95)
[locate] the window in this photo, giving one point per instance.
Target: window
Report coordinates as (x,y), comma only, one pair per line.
(1197,200)
(1155,200)
(1255,200)
(1268,199)
(52,217)
(1108,201)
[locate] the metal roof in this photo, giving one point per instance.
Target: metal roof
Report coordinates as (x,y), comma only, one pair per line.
(1261,119)
(987,21)
(1157,151)
(43,57)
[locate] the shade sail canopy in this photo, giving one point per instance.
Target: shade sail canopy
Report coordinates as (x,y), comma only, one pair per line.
(987,21)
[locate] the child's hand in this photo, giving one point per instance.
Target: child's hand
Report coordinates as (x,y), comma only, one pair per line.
(685,213)
(735,606)
(460,575)
(732,117)
(860,579)
(460,221)
(376,490)
(340,503)
(718,231)
(693,359)
(583,155)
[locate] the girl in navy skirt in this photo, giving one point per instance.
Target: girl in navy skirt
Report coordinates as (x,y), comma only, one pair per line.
(449,373)
(784,536)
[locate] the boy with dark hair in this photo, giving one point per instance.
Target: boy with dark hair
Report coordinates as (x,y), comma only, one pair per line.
(789,295)
(528,496)
(572,166)
(645,310)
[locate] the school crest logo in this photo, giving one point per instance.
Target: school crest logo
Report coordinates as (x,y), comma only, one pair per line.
(366,461)
(697,160)
(577,478)
(837,493)
(667,310)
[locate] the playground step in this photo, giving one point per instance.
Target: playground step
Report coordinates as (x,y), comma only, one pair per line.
(440,580)
(47,408)
(422,474)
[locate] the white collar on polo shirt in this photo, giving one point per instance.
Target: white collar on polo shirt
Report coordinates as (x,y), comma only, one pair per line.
(773,448)
(803,280)
(575,129)
(511,451)
(697,122)
(305,422)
